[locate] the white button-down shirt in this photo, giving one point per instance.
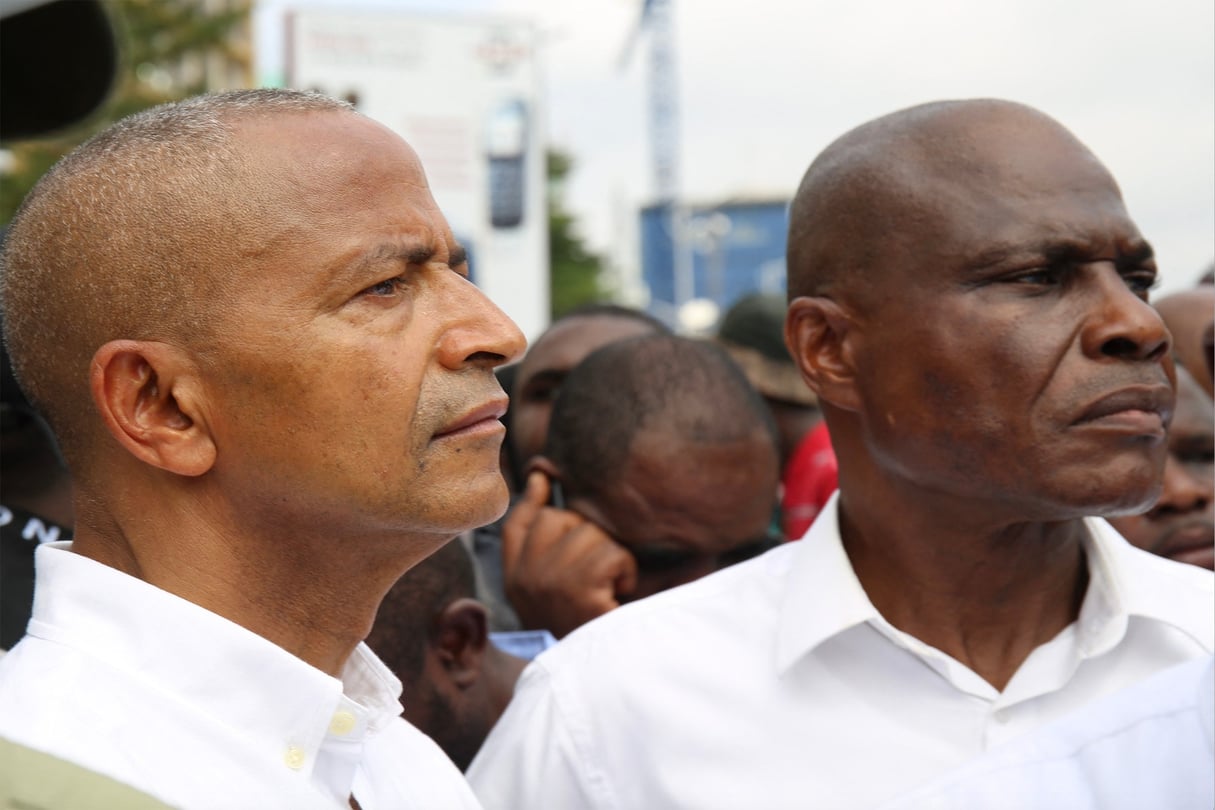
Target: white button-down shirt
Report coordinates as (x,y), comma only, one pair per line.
(1149,746)
(149,689)
(776,683)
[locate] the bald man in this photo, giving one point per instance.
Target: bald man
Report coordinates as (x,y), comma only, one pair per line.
(968,302)
(252,331)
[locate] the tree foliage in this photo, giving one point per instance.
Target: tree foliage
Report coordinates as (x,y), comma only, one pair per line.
(165,47)
(575,273)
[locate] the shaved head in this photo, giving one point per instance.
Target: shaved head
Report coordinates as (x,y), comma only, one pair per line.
(871,197)
(131,236)
(965,281)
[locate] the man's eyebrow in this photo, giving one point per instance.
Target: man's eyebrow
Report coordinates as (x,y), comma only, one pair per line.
(1136,254)
(405,253)
(1055,250)
(415,253)
(1058,250)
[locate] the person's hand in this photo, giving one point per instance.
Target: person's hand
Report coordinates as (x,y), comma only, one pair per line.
(560,570)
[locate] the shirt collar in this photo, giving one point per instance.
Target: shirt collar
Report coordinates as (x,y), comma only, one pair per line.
(266,695)
(823,596)
(1125,582)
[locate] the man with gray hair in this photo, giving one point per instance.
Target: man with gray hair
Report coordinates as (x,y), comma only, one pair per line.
(252,331)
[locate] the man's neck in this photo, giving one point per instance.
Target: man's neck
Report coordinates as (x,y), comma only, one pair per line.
(314,597)
(985,594)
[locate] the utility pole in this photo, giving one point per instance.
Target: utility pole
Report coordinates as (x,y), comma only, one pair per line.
(657,19)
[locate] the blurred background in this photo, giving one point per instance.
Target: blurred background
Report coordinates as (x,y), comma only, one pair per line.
(644,151)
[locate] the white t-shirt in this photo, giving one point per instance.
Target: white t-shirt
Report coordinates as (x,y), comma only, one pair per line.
(776,684)
(154,691)
(1149,746)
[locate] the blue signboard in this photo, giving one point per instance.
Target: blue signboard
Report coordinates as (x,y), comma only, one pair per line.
(733,249)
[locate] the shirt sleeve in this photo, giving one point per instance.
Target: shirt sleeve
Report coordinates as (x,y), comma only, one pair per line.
(535,756)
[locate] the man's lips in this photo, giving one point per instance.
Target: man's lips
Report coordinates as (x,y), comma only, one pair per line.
(1139,409)
(480,418)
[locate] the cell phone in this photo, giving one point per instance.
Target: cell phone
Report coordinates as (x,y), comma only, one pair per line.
(506,148)
(556,495)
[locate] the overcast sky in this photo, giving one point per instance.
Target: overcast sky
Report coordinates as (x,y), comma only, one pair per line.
(766,84)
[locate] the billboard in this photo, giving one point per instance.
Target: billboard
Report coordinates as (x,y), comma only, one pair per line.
(735,247)
(465,93)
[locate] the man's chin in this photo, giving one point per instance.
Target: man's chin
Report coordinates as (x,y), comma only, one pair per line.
(488,500)
(1121,502)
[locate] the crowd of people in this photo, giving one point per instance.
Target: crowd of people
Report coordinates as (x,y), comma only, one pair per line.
(304,505)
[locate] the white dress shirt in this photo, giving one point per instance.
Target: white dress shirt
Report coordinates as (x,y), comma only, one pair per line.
(1151,745)
(149,689)
(776,683)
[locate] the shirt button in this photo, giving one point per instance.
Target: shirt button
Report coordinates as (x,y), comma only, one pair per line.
(294,757)
(342,723)
(1001,716)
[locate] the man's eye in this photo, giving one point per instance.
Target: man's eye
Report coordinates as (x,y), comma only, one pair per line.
(386,287)
(1140,283)
(1042,276)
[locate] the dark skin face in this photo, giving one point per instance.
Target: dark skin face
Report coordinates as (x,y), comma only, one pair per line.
(989,367)
(1189,316)
(1181,525)
(548,363)
(1008,355)
(683,509)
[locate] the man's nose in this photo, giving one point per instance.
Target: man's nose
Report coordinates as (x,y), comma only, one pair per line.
(1120,324)
(1183,492)
(479,333)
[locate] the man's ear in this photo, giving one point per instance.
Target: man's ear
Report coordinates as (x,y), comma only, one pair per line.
(149,397)
(463,633)
(819,335)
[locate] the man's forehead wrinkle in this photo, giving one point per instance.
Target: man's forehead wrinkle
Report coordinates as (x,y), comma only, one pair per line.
(925,186)
(1056,241)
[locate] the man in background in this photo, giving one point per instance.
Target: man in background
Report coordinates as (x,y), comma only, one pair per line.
(551,358)
(1181,524)
(1190,315)
(434,635)
(660,466)
(535,383)
(753,332)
